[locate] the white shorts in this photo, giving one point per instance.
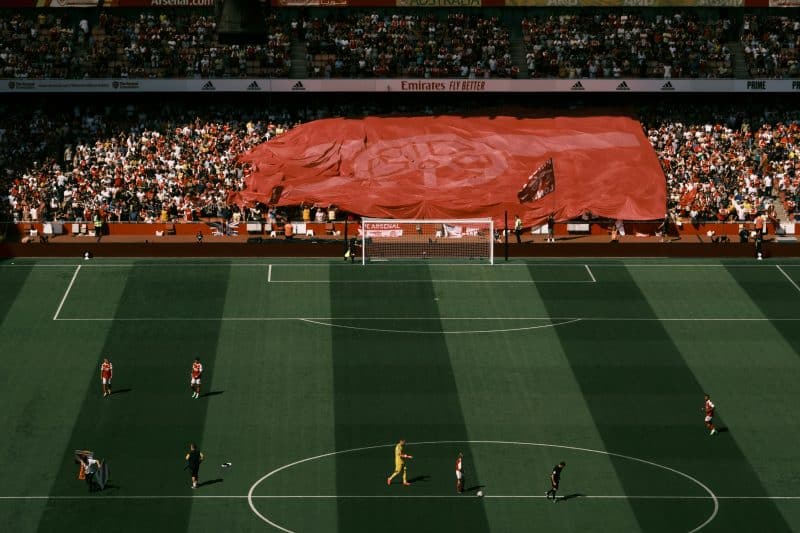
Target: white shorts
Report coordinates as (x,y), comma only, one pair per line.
(106,381)
(708,419)
(459,475)
(195,381)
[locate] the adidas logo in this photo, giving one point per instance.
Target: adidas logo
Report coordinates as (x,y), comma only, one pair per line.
(298,86)
(577,86)
(667,87)
(623,86)
(254,86)
(208,86)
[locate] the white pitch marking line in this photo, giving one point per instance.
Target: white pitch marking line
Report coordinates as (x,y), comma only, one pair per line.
(423,332)
(324,264)
(269,274)
(395,281)
(384,496)
(713,497)
(66,293)
(589,270)
(339,318)
(512,496)
(789,278)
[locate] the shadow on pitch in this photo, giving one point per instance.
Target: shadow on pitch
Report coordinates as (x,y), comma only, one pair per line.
(473,488)
(571,496)
(210,482)
(212,393)
(121,391)
(419,479)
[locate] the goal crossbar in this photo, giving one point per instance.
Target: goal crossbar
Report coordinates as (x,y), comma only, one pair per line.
(457,240)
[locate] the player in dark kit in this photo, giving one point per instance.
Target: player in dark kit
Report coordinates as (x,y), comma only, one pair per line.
(555,478)
(193,459)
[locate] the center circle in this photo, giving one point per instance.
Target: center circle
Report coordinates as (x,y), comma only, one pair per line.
(684,475)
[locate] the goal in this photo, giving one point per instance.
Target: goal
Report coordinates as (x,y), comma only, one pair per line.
(449,240)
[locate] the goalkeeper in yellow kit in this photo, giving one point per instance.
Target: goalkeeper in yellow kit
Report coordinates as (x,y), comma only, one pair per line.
(399,462)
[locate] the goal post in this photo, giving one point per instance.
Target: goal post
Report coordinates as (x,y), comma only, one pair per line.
(446,240)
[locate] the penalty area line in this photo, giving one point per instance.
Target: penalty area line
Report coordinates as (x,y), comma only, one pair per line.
(793,282)
(589,270)
(66,293)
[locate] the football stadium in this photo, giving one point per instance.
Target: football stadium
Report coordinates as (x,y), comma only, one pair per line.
(399,265)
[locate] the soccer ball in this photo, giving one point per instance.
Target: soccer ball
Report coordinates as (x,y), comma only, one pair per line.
(479,493)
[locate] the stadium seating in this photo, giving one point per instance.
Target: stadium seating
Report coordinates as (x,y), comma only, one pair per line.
(425,43)
(770,45)
(617,45)
(74,162)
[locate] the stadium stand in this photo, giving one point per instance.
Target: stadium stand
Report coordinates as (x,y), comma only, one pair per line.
(179,164)
(730,167)
(134,44)
(422,43)
(149,164)
(770,45)
(409,45)
(615,45)
(172,162)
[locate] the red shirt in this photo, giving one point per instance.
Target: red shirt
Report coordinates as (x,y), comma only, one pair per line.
(197,369)
(458,464)
(709,407)
(106,370)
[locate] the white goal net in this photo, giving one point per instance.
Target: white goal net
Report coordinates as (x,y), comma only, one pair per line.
(407,239)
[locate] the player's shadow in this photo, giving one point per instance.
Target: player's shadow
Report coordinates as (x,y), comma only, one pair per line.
(121,391)
(419,479)
(723,429)
(210,482)
(571,496)
(473,488)
(212,393)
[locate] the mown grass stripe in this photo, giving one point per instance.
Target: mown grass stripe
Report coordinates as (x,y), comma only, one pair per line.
(383,384)
(621,368)
(143,430)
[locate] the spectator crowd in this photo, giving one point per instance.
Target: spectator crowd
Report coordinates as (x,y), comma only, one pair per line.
(152,164)
(120,44)
(770,45)
(728,165)
(459,45)
(554,43)
(618,45)
(172,162)
(155,163)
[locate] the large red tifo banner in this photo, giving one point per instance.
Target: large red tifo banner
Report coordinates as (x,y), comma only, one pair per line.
(464,167)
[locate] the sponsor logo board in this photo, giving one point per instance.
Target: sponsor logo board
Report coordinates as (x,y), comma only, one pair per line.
(382,229)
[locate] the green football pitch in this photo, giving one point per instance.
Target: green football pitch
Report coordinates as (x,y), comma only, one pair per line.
(315,368)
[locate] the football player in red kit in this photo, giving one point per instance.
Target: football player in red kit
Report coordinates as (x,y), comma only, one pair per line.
(708,409)
(106,372)
(196,375)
